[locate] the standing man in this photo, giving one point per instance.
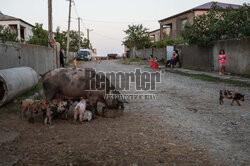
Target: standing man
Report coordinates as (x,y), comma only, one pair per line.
(62,58)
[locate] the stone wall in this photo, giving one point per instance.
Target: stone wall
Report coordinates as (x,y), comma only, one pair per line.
(237,55)
(160,53)
(194,57)
(41,59)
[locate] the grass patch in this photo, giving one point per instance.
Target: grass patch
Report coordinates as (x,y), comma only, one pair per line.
(31,92)
(13,106)
(130,61)
(239,75)
(39,97)
(207,70)
(208,78)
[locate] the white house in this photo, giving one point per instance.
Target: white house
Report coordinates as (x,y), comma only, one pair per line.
(23,28)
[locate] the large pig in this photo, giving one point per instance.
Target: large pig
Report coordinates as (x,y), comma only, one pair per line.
(72,83)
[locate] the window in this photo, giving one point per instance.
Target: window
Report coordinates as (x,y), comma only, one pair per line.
(13,27)
(183,22)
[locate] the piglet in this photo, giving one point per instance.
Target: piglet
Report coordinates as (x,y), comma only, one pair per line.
(80,110)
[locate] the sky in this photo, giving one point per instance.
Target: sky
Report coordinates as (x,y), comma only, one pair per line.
(106,18)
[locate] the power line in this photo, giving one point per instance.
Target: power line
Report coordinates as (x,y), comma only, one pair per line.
(107,37)
(118,22)
(75,9)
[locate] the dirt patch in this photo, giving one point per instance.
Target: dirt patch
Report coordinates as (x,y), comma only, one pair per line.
(120,141)
(112,113)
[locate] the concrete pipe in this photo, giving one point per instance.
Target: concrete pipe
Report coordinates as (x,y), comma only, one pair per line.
(16,81)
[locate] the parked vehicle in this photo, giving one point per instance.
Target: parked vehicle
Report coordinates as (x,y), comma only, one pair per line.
(85,54)
(112,56)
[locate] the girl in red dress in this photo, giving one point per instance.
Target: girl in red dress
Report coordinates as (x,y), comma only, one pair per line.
(151,61)
(156,63)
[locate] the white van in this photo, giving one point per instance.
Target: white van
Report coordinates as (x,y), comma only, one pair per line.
(85,54)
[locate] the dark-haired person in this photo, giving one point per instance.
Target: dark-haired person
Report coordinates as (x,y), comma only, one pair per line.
(174,59)
(62,58)
(177,58)
(222,59)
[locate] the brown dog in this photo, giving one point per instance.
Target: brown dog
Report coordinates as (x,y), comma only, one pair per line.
(231,95)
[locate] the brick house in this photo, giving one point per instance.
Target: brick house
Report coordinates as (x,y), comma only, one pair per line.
(174,24)
(155,35)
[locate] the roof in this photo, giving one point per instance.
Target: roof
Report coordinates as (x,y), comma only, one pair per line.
(10,18)
(208,5)
(157,30)
(205,6)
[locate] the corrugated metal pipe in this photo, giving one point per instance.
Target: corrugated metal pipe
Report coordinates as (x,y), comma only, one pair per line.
(16,81)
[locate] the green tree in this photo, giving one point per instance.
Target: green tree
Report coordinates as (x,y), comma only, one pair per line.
(167,41)
(61,37)
(218,24)
(136,36)
(40,36)
(236,23)
(74,39)
(6,34)
(86,43)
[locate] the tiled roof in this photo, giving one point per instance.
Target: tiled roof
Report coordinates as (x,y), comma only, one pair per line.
(7,18)
(10,18)
(206,6)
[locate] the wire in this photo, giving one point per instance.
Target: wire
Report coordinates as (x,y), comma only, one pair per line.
(107,37)
(118,22)
(75,9)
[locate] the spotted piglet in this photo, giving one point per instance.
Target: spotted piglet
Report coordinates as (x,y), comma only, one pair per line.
(87,115)
(80,110)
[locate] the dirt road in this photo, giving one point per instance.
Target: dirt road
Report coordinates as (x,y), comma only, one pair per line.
(184,125)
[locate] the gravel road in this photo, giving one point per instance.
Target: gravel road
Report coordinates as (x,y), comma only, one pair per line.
(192,108)
(184,125)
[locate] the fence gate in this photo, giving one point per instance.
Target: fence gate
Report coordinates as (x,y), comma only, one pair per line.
(169,51)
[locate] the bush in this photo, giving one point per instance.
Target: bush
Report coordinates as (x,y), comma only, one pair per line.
(167,41)
(40,36)
(6,34)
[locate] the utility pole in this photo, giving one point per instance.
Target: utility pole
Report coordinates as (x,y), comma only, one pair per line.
(88,34)
(67,52)
(88,30)
(50,27)
(79,32)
